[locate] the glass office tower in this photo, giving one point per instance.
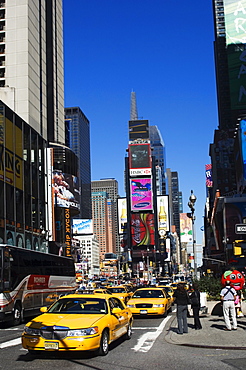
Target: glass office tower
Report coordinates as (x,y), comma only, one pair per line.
(78,139)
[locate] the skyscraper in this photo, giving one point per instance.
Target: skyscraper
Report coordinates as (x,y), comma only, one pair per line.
(110,186)
(158,146)
(175,199)
(102,222)
(31,64)
(229,46)
(78,139)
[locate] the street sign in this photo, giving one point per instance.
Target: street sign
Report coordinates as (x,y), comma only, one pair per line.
(240,228)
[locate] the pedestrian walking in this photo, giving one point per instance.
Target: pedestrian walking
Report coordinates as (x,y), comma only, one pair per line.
(228,296)
(182,301)
(195,305)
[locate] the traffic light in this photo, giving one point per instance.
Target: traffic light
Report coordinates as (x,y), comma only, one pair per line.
(237,250)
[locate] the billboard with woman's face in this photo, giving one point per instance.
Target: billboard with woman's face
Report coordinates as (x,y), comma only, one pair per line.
(66,190)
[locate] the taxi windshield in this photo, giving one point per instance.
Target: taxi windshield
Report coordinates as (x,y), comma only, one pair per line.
(79,306)
(148,294)
(117,290)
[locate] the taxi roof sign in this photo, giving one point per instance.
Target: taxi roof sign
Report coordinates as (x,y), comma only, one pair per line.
(240,228)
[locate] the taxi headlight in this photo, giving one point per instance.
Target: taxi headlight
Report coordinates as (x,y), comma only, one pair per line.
(130,305)
(122,297)
(82,332)
(158,305)
(31,331)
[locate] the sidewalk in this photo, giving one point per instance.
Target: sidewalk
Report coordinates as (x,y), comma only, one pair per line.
(212,334)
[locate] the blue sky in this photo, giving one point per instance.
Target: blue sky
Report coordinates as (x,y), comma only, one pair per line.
(162,50)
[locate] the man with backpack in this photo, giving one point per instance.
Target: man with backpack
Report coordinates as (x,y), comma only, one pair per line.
(228,296)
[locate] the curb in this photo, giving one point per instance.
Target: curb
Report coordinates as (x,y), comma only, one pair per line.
(170,341)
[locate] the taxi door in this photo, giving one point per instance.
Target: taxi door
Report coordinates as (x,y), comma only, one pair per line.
(119,320)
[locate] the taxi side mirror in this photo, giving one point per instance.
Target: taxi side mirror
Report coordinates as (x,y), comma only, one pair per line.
(116,310)
(43,309)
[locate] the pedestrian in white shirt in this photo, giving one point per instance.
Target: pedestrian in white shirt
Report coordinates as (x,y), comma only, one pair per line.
(228,296)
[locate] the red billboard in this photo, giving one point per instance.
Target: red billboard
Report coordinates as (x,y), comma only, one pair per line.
(142,229)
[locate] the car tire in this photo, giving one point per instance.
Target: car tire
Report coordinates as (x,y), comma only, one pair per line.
(165,313)
(129,331)
(17,314)
(104,344)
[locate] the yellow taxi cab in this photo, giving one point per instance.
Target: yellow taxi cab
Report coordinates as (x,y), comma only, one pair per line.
(169,290)
(149,301)
(79,322)
(121,292)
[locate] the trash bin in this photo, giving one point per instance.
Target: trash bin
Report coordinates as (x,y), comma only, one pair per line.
(203,301)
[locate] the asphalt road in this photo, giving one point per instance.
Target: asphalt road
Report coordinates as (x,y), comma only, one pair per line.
(146,350)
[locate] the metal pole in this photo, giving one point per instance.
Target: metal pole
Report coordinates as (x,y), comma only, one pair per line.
(194,244)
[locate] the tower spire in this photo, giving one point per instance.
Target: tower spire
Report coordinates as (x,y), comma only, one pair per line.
(134,111)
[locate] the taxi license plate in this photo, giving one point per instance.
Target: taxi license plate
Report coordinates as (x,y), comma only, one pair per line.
(143,312)
(51,345)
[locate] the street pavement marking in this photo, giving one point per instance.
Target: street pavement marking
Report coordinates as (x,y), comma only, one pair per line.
(10,343)
(146,341)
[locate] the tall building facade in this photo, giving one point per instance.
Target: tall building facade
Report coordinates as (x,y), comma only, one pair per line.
(229,48)
(110,186)
(31,64)
(175,198)
(78,139)
(102,222)
(158,151)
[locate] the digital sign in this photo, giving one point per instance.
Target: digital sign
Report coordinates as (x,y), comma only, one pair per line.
(139,156)
(141,194)
(138,129)
(142,229)
(235,29)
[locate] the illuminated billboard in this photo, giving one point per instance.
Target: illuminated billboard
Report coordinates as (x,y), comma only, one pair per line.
(163,214)
(243,145)
(122,215)
(142,229)
(139,156)
(185,228)
(65,190)
(235,27)
(11,153)
(209,181)
(141,194)
(235,21)
(138,129)
(82,226)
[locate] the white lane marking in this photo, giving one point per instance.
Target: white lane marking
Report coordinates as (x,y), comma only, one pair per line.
(146,341)
(10,343)
(145,328)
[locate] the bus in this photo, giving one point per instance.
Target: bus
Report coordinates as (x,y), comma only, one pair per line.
(31,279)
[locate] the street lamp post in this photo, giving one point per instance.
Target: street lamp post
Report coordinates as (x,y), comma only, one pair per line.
(191,204)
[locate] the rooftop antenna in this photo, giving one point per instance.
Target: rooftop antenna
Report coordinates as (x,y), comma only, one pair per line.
(134,111)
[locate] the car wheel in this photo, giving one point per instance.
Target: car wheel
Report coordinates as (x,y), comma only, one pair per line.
(17,315)
(103,349)
(129,331)
(165,313)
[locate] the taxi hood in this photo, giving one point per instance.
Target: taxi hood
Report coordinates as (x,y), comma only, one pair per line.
(74,321)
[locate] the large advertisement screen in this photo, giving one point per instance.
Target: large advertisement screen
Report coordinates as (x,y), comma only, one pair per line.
(163,214)
(141,194)
(243,144)
(66,190)
(235,27)
(122,215)
(185,228)
(138,129)
(139,156)
(82,226)
(142,229)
